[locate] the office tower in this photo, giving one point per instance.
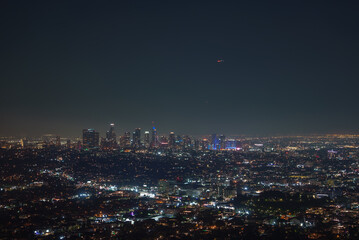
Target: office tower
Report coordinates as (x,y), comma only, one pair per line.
(111,135)
(110,142)
(154,140)
(68,143)
(128,139)
(136,138)
(147,139)
(90,138)
(172,140)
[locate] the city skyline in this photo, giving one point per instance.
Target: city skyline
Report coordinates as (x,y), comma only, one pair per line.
(120,131)
(138,119)
(302,187)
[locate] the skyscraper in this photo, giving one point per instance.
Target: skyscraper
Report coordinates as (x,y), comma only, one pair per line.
(90,138)
(147,139)
(154,140)
(136,138)
(110,141)
(111,135)
(172,140)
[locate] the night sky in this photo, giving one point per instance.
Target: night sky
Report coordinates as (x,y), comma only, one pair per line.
(289,66)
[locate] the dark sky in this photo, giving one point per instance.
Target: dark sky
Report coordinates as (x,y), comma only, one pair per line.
(289,66)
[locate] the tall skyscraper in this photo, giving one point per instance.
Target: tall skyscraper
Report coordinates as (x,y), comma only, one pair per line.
(136,138)
(111,135)
(110,141)
(147,139)
(172,140)
(154,140)
(90,138)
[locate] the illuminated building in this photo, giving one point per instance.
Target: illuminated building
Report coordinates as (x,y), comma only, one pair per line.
(23,143)
(90,138)
(110,141)
(154,140)
(136,138)
(231,144)
(217,143)
(147,139)
(111,135)
(179,141)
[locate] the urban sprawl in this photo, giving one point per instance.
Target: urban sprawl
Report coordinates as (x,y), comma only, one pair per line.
(179,187)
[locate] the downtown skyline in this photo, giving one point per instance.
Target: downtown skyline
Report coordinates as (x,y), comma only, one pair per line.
(138,119)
